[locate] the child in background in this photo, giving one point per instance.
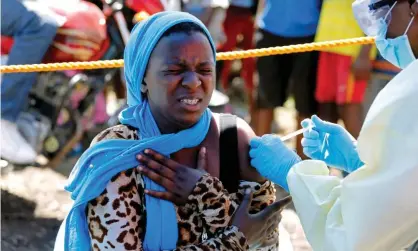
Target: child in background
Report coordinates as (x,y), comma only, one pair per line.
(282,23)
(343,72)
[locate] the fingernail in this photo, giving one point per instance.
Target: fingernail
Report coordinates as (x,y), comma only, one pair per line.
(147,151)
(146,191)
(140,157)
(203,150)
(140,169)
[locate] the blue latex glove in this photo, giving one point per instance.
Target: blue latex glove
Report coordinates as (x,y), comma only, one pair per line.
(272,158)
(330,143)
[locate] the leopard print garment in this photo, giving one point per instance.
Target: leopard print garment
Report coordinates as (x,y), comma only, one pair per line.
(117,218)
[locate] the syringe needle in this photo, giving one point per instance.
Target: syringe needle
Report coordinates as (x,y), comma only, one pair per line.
(293,134)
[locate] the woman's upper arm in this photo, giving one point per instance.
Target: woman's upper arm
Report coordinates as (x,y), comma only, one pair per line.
(264,192)
(245,134)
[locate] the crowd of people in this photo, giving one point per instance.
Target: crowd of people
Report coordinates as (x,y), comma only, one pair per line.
(173,175)
(335,83)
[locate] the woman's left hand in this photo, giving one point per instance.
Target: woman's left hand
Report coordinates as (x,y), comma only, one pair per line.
(272,158)
(179,180)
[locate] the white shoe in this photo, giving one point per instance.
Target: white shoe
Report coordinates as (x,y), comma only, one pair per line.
(14,147)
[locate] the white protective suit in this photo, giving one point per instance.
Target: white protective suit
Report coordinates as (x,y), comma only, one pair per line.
(375,208)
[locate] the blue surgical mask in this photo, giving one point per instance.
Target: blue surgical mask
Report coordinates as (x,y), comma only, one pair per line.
(398,50)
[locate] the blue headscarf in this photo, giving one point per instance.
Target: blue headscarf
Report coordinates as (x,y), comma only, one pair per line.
(107,158)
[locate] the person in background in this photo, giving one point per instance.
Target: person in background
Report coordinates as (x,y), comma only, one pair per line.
(30,28)
(382,73)
(212,14)
(239,21)
(343,72)
(285,23)
(172,5)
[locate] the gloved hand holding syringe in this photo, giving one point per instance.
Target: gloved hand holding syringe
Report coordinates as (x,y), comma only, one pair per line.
(269,145)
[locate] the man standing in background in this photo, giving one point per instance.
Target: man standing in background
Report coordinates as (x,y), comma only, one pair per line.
(286,22)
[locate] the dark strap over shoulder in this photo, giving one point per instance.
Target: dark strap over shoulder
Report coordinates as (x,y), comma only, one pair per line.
(254,7)
(228,152)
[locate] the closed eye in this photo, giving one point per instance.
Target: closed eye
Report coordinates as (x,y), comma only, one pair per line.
(206,71)
(174,71)
(205,68)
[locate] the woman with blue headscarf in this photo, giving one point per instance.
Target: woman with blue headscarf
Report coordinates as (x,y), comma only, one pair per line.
(169,69)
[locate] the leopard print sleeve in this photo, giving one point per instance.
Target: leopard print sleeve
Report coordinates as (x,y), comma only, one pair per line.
(212,202)
(217,206)
(116,219)
(116,132)
(263,196)
(231,239)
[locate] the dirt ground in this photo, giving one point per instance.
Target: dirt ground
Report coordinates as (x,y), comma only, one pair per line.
(33,204)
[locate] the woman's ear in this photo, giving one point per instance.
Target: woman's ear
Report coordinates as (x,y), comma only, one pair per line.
(144,87)
(414,8)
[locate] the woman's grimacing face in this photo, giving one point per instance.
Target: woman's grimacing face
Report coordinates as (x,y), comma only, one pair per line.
(401,16)
(180,78)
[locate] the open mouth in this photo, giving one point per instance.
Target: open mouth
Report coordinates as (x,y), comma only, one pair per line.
(192,101)
(190,104)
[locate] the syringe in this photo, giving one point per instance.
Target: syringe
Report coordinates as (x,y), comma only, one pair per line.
(294,134)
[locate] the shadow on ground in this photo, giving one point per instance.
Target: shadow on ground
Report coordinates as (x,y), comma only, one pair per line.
(21,229)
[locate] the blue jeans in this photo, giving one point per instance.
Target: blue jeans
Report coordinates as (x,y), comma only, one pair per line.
(32,34)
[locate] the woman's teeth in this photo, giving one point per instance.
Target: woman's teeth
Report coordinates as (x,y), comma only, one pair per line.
(190,101)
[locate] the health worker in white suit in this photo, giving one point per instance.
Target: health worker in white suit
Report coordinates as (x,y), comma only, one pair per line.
(375,208)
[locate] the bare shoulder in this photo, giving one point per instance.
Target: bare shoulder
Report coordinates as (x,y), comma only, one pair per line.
(116,132)
(245,130)
(245,134)
(243,127)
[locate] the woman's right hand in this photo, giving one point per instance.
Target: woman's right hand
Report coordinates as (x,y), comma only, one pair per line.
(256,227)
(178,180)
